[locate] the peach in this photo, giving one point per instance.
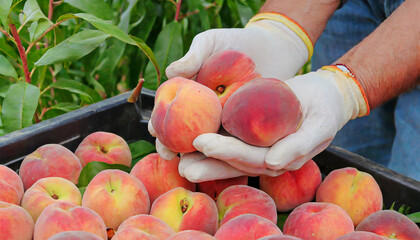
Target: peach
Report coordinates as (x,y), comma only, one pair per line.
(116,195)
(292,188)
(214,187)
(185,210)
(247,227)
(390,224)
(355,191)
(279,237)
(64,216)
(241,199)
(191,235)
(15,222)
(357,235)
(159,175)
(75,235)
(104,147)
(50,160)
(322,221)
(262,111)
(144,227)
(225,71)
(11,186)
(183,110)
(48,190)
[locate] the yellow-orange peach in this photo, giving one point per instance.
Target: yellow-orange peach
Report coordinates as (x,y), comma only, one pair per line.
(391,225)
(75,235)
(183,110)
(50,160)
(116,195)
(292,188)
(262,111)
(361,235)
(185,210)
(159,175)
(355,191)
(225,71)
(318,221)
(247,227)
(214,187)
(242,199)
(64,216)
(104,147)
(191,235)
(47,191)
(11,186)
(15,222)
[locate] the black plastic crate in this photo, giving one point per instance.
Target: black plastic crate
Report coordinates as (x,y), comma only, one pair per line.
(129,120)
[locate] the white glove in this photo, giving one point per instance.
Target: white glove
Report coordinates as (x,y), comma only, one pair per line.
(329,99)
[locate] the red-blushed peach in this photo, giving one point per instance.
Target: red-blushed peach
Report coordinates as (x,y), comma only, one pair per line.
(279,237)
(183,110)
(320,221)
(361,235)
(64,216)
(104,147)
(159,175)
(292,188)
(116,195)
(242,199)
(390,224)
(47,191)
(247,227)
(15,222)
(185,210)
(191,235)
(355,191)
(11,186)
(143,226)
(262,111)
(75,235)
(50,160)
(214,187)
(225,71)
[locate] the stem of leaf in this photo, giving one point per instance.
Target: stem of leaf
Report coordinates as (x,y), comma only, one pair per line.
(178,9)
(50,9)
(43,91)
(22,53)
(5,33)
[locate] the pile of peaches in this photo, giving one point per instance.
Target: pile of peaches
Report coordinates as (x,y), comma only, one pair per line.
(152,201)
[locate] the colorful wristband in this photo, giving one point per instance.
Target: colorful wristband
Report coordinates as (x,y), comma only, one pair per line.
(290,24)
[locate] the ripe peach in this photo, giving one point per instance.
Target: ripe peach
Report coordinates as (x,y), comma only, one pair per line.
(159,175)
(214,187)
(247,227)
(144,227)
(355,191)
(15,222)
(11,186)
(390,224)
(47,191)
(279,237)
(64,216)
(50,160)
(241,199)
(321,221)
(293,188)
(183,110)
(191,235)
(185,210)
(75,235)
(116,195)
(104,147)
(358,235)
(225,71)
(262,111)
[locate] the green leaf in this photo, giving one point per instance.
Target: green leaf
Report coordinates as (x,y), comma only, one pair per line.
(245,13)
(7,49)
(19,106)
(32,13)
(141,148)
(168,48)
(281,219)
(38,28)
(82,190)
(78,88)
(6,68)
(73,48)
(4,12)
(415,217)
(147,19)
(65,107)
(98,8)
(93,168)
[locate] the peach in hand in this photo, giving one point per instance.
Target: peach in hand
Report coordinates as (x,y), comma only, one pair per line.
(11,186)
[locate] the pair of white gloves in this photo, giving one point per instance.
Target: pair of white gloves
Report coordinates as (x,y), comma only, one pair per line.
(329,98)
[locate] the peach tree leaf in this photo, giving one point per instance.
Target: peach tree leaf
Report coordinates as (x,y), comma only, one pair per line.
(93,168)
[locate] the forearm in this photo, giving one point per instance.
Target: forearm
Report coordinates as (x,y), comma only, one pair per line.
(311,15)
(387,62)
